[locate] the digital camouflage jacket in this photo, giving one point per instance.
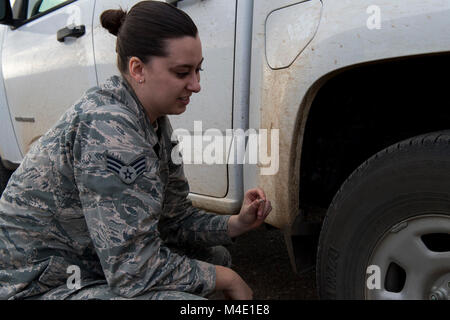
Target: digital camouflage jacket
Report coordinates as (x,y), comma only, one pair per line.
(99,191)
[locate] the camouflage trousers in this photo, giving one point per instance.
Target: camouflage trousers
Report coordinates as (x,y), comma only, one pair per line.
(217,255)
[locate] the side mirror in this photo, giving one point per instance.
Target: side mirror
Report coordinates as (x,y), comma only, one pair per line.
(6,16)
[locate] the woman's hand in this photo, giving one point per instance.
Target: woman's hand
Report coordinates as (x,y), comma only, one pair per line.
(255,208)
(232,285)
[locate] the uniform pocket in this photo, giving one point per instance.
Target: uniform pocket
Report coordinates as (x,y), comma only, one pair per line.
(55,274)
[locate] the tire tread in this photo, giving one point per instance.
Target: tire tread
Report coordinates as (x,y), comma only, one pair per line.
(432,139)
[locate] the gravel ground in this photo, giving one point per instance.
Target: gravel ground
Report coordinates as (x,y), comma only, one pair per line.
(260,257)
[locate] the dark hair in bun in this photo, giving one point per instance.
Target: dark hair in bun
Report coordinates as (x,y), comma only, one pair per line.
(112,20)
(142,31)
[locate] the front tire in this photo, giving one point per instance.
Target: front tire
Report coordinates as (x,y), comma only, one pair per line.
(393,213)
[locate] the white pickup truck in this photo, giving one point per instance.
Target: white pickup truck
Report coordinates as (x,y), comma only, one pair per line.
(357,91)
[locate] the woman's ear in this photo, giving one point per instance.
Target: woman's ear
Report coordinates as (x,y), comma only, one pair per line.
(136,69)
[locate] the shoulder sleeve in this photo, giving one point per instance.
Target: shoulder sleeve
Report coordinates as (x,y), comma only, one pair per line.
(122,212)
(183,223)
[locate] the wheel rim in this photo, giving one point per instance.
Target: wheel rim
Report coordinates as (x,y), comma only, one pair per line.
(413,261)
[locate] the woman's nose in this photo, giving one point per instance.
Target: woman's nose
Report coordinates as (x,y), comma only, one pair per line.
(194,84)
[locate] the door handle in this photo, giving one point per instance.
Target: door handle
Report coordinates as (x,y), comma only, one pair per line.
(66,32)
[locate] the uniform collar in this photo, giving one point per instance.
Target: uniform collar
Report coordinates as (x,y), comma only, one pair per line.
(124,93)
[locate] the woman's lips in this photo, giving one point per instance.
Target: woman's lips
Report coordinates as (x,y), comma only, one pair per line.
(184,100)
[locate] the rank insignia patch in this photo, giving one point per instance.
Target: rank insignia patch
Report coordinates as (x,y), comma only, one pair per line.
(128,173)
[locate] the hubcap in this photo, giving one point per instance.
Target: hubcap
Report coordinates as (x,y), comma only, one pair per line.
(413,260)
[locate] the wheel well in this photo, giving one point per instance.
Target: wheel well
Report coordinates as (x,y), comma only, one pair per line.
(363,110)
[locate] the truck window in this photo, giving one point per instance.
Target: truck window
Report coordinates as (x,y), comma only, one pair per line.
(38,6)
(26,10)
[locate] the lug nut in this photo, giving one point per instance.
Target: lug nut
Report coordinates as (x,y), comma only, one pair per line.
(437,295)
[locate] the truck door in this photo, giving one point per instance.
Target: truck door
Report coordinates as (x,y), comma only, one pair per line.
(44,76)
(213,106)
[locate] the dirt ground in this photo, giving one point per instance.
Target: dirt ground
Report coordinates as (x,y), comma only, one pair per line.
(261,259)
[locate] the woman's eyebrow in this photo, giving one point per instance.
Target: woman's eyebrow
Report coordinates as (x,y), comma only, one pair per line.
(188,65)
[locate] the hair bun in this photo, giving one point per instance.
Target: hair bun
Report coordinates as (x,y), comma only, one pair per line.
(112,20)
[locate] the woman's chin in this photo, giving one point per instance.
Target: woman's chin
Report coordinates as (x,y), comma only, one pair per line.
(179,109)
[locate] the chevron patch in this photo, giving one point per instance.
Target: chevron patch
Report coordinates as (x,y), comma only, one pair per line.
(128,173)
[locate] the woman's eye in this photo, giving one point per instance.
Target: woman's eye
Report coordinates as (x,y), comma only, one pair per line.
(185,74)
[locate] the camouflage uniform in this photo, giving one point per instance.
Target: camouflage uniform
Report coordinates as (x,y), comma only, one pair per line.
(99,191)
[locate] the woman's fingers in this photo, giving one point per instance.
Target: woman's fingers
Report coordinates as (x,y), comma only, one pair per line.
(264,209)
(267,209)
(256,193)
(257,201)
